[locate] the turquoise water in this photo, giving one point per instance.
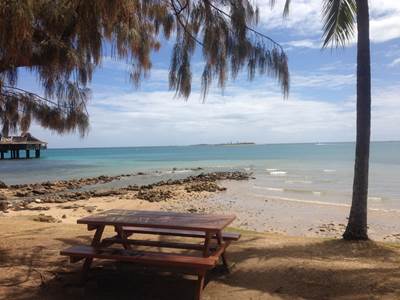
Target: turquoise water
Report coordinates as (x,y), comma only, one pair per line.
(321,172)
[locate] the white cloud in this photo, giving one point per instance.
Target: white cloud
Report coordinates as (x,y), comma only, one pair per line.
(306,43)
(305,19)
(325,80)
(156,118)
(395,62)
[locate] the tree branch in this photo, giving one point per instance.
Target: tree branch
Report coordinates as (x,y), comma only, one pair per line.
(177,14)
(247,27)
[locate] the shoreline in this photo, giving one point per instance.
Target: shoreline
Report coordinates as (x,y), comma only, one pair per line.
(218,192)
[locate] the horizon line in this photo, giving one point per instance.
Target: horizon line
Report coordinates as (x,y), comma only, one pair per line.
(219,144)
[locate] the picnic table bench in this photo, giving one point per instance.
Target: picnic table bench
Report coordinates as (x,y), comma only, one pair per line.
(128,223)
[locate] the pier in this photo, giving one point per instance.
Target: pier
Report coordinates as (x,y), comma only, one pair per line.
(11,147)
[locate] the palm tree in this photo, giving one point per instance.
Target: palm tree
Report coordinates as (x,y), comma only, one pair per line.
(339,18)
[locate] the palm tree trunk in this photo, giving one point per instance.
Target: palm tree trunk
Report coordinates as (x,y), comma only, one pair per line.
(357,225)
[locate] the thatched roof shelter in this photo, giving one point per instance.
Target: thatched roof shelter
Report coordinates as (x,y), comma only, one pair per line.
(25,142)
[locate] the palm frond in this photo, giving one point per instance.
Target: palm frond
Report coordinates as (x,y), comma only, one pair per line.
(339,19)
(285,9)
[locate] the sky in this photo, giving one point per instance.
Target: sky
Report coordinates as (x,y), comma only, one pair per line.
(320,106)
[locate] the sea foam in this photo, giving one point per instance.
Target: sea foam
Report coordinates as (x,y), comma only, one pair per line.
(278,173)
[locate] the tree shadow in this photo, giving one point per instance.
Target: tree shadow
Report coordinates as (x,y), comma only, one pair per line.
(305,269)
(320,270)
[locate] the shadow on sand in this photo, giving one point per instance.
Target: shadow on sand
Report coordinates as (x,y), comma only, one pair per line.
(313,270)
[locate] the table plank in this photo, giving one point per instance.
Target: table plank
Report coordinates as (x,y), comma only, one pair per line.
(160,219)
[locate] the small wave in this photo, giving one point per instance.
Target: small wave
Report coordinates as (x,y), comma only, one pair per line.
(317,193)
(329,171)
(271,169)
(273,189)
(182,171)
(278,173)
(322,203)
(311,202)
(375,198)
(299,191)
(299,181)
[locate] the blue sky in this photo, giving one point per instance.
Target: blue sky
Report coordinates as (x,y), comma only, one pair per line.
(320,107)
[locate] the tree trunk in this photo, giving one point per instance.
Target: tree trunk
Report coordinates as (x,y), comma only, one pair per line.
(357,225)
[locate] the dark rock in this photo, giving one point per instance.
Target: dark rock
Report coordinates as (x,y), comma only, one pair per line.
(90,209)
(4,205)
(39,192)
(37,207)
(204,186)
(46,219)
(3,185)
(154,195)
(107,193)
(23,194)
(3,196)
(73,206)
(132,187)
(196,169)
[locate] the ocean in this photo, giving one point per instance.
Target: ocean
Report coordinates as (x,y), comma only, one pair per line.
(320,172)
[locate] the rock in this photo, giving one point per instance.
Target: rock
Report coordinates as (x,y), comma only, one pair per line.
(39,191)
(4,205)
(132,187)
(107,193)
(204,186)
(90,209)
(64,216)
(196,169)
(60,200)
(154,195)
(37,207)
(22,194)
(3,185)
(46,219)
(3,196)
(38,201)
(74,206)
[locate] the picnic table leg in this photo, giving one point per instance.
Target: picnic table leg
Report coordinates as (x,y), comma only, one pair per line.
(206,248)
(95,242)
(223,257)
(122,235)
(200,286)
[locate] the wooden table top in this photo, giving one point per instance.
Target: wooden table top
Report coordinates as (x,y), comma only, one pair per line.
(160,219)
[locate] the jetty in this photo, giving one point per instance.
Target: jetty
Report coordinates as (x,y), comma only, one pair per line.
(25,142)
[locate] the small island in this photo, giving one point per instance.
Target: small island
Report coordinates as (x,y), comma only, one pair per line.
(228,144)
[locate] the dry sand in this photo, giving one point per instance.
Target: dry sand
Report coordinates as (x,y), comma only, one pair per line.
(267,266)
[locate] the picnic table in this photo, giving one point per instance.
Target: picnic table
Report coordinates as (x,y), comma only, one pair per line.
(132,223)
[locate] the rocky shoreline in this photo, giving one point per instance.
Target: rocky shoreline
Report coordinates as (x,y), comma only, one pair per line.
(20,197)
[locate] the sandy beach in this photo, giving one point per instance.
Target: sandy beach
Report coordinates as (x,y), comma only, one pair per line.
(224,192)
(289,249)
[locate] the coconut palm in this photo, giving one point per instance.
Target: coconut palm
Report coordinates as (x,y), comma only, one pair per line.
(339,19)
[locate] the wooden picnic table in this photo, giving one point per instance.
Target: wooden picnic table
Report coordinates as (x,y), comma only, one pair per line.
(128,223)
